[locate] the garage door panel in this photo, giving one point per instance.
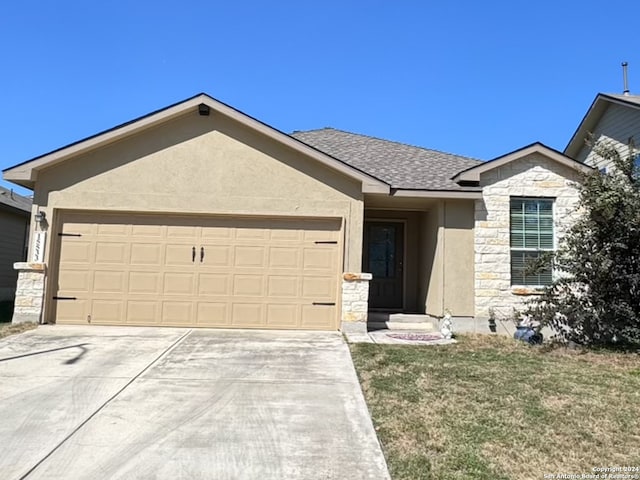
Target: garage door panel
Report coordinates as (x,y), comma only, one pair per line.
(320,289)
(73,311)
(319,259)
(186,232)
(212,314)
(247,315)
(140,312)
(282,316)
(177,313)
(79,228)
(214,284)
(109,253)
(146,254)
(179,255)
(178,283)
(320,233)
(248,286)
(216,233)
(107,312)
(118,230)
(145,283)
(283,286)
(251,233)
(78,281)
(152,231)
(286,235)
(216,255)
(109,282)
(318,317)
(77,251)
(285,257)
(254,273)
(249,256)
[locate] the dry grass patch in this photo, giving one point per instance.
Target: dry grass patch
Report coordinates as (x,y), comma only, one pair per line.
(491,408)
(9,329)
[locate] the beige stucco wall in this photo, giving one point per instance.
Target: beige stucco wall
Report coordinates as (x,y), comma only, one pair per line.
(204,165)
(446,258)
(432,259)
(458,258)
(428,238)
(531,176)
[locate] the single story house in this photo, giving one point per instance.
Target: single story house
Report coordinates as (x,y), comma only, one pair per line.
(200,215)
(15,217)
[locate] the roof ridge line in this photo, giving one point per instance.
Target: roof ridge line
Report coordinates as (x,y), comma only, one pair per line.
(388,141)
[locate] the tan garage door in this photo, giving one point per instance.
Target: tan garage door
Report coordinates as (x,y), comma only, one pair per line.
(206,272)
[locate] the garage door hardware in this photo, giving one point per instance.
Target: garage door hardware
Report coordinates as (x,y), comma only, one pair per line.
(193,254)
(329,304)
(326,242)
(69,234)
(65,298)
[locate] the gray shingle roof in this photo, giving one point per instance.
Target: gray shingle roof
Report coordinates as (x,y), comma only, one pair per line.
(12,199)
(400,165)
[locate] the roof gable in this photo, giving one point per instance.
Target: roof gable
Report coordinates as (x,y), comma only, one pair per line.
(593,116)
(473,174)
(25,173)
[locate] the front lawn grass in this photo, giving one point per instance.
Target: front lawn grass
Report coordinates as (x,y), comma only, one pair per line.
(492,408)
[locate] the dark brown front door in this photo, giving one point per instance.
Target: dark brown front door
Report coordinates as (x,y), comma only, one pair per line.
(383,254)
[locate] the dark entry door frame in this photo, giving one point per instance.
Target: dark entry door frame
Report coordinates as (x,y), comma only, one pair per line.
(387,290)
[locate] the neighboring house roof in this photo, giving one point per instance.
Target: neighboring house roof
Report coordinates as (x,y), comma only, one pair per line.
(25,173)
(12,199)
(593,116)
(473,174)
(400,165)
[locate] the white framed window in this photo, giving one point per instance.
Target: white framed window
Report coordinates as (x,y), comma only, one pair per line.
(531,234)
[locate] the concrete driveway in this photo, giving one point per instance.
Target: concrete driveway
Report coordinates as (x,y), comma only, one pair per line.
(154,403)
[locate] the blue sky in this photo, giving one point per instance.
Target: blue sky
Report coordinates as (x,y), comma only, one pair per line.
(473,78)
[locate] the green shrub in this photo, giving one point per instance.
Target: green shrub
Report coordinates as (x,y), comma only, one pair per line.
(596,298)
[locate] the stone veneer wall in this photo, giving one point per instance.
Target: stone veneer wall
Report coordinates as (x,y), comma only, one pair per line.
(531,176)
(29,292)
(355,302)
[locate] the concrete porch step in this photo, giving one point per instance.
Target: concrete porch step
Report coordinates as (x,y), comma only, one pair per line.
(402,321)
(419,326)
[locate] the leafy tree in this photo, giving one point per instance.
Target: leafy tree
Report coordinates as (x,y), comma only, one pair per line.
(596,298)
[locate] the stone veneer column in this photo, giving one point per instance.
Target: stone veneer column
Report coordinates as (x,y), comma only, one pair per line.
(355,302)
(29,292)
